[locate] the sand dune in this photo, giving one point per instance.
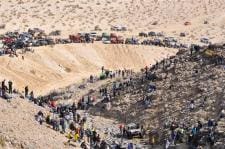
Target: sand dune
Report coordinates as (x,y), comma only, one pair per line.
(54,67)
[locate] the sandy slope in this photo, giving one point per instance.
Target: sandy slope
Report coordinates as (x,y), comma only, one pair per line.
(82,15)
(18,126)
(54,67)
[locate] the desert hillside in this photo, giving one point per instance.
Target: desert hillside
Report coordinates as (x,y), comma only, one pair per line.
(20,130)
(50,68)
(138,15)
(182,88)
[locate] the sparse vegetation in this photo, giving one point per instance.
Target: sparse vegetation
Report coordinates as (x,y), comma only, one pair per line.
(68,69)
(2,141)
(33,72)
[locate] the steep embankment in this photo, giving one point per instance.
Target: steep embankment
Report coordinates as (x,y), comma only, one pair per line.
(183,89)
(53,67)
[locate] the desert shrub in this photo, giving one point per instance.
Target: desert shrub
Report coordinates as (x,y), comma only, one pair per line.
(2,26)
(68,69)
(2,142)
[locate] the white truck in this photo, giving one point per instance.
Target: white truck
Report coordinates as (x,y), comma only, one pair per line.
(133,130)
